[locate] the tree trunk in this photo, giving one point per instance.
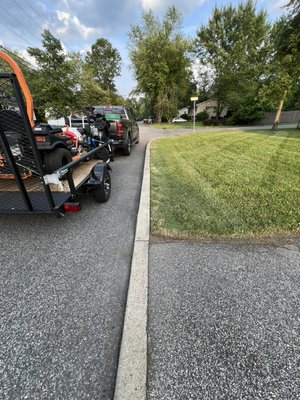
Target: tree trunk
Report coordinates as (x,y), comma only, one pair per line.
(278,112)
(158,116)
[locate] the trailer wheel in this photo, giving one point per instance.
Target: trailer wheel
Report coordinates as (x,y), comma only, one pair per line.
(102,193)
(56,159)
(127,148)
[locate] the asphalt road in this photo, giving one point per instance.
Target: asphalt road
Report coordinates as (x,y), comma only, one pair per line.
(63,285)
(224,320)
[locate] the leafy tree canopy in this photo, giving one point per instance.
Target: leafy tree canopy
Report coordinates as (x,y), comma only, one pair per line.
(234,46)
(106,64)
(282,70)
(54,84)
(294,6)
(158,51)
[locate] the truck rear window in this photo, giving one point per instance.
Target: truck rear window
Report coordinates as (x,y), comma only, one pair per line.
(112,116)
(110,110)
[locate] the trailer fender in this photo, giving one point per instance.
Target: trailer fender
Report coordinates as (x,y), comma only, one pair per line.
(97,175)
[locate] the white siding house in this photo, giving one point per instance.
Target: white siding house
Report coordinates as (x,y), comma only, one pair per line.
(210,106)
(184,110)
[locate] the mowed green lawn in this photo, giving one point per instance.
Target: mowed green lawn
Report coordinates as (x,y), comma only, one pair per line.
(226,183)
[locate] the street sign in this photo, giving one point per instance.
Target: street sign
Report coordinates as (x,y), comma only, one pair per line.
(194,99)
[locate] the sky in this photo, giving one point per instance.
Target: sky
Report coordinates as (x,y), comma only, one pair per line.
(78,23)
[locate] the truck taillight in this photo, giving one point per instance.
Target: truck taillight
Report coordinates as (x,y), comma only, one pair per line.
(41,138)
(119,127)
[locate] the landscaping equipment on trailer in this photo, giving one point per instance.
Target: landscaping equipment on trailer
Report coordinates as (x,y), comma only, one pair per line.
(26,184)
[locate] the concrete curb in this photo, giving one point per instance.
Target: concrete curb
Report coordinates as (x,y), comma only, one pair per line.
(132,368)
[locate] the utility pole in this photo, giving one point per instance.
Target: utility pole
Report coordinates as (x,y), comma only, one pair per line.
(194,99)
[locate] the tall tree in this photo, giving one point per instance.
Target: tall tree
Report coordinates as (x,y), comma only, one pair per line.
(53,85)
(294,7)
(91,92)
(283,67)
(159,56)
(234,46)
(106,63)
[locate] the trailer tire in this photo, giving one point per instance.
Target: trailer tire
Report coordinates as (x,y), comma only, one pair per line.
(56,159)
(102,193)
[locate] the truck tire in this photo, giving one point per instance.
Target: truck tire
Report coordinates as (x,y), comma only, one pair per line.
(56,159)
(127,148)
(102,193)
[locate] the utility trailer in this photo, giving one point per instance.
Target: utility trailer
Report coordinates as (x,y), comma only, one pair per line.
(25,187)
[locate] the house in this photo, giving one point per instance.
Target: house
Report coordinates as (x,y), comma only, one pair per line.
(184,110)
(210,106)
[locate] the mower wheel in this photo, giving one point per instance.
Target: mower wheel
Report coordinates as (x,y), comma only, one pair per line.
(56,159)
(102,193)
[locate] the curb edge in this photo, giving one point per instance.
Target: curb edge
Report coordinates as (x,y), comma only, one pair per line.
(132,367)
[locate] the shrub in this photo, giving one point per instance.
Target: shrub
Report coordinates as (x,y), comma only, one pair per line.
(215,121)
(201,116)
(186,116)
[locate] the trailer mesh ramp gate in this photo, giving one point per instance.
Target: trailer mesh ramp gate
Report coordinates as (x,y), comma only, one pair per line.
(22,184)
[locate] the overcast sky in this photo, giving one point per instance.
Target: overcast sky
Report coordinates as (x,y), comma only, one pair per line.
(78,23)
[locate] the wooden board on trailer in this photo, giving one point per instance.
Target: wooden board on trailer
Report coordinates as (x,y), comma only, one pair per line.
(33,184)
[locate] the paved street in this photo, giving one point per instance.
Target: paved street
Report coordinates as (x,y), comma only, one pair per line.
(63,293)
(63,285)
(224,320)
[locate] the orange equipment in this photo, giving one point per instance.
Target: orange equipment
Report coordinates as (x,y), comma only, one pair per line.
(23,85)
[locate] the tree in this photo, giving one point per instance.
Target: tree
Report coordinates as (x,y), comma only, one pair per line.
(283,67)
(136,105)
(294,7)
(184,98)
(53,85)
(234,47)
(106,64)
(90,92)
(22,63)
(159,56)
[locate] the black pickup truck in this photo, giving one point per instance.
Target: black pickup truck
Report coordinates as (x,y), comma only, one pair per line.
(123,129)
